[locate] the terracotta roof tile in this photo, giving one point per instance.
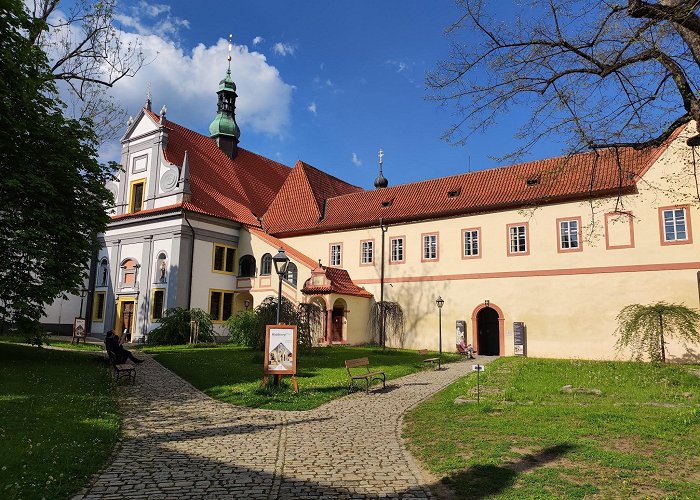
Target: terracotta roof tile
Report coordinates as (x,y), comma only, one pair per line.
(292,252)
(150,211)
(543,181)
(240,189)
(339,282)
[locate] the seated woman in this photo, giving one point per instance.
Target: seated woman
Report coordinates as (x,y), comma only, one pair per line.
(114,345)
(465,348)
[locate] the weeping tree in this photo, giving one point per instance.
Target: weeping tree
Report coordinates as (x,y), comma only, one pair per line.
(644,329)
(394,322)
(312,322)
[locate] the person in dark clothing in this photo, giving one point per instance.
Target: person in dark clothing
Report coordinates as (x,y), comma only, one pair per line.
(114,345)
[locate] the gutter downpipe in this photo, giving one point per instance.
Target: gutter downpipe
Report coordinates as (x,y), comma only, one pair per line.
(189,289)
(382,334)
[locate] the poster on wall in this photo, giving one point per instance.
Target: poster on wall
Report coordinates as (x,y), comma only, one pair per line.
(79,330)
(461,331)
(519,338)
(280,350)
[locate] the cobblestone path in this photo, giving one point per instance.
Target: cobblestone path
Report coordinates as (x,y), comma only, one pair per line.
(180,443)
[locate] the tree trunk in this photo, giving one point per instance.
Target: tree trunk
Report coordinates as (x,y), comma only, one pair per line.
(661,332)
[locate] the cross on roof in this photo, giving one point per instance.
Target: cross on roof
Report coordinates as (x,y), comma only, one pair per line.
(381,156)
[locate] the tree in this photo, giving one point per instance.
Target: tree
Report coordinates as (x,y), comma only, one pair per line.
(598,74)
(644,329)
(174,327)
(52,188)
(87,54)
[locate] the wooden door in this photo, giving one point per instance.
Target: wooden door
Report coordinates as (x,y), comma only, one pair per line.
(337,329)
(126,319)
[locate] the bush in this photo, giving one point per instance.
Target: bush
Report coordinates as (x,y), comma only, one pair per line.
(33,331)
(243,329)
(174,327)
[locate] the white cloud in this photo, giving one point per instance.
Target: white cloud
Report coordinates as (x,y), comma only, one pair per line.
(329,83)
(312,107)
(356,161)
(148,19)
(284,49)
(187,81)
(257,40)
(399,65)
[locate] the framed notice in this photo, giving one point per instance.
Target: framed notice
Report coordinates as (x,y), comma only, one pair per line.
(281,350)
(79,330)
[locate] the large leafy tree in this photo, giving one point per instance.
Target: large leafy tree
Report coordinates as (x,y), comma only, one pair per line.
(52,187)
(596,73)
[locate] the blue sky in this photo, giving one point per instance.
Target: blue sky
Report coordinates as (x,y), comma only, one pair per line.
(324,82)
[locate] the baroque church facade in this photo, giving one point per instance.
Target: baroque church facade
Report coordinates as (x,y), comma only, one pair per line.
(536,258)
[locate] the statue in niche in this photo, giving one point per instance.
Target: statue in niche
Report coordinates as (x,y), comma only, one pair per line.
(162,271)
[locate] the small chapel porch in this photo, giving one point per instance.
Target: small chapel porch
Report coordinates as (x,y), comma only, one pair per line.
(344,307)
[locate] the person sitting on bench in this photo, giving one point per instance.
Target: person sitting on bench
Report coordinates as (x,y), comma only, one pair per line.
(114,345)
(465,348)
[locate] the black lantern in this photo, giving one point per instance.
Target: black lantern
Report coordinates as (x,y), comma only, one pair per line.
(440,302)
(281,262)
(83,292)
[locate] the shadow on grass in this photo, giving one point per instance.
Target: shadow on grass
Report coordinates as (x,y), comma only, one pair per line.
(484,480)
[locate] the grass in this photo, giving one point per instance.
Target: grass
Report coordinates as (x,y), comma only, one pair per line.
(65,344)
(58,421)
(527,439)
(234,374)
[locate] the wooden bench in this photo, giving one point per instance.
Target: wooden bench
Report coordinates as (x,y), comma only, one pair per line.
(121,369)
(367,375)
(424,352)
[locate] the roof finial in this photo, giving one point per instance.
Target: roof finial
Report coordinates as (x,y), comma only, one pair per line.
(380,181)
(230,47)
(163,110)
(148,96)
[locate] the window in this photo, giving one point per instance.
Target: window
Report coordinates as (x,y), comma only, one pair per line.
(98,307)
(246,267)
(266,265)
(397,250)
(675,225)
(223,259)
(517,239)
(220,305)
(430,247)
(157,304)
(569,234)
(336,258)
(137,192)
(470,243)
(367,252)
(291,275)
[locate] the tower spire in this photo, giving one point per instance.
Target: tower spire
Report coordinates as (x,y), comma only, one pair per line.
(380,181)
(224,129)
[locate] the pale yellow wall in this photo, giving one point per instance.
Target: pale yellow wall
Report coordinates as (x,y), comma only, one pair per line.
(567,300)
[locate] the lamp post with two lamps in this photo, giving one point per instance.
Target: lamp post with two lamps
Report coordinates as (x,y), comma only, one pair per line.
(281,262)
(440,302)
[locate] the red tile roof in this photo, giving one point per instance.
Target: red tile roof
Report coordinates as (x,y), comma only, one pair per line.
(240,189)
(293,253)
(338,282)
(544,181)
(150,211)
(301,199)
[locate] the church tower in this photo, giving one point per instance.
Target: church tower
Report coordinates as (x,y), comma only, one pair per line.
(224,129)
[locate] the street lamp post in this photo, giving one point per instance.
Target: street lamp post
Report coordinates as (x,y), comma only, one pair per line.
(281,262)
(440,303)
(83,291)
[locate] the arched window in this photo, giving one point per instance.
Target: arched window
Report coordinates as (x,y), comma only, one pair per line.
(129,269)
(246,267)
(266,265)
(103,273)
(161,268)
(291,276)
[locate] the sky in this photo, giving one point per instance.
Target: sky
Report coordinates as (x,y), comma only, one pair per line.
(326,82)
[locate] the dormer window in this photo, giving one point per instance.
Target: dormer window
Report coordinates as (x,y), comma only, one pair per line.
(387,203)
(454,193)
(532,181)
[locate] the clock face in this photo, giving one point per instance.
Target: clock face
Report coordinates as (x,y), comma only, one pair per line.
(168,180)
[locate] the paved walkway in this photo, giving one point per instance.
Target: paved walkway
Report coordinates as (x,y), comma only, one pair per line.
(178,442)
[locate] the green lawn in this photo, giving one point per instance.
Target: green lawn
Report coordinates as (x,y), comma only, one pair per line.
(66,344)
(527,439)
(234,374)
(58,421)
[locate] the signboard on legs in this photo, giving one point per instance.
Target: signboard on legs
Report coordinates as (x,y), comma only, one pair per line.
(281,352)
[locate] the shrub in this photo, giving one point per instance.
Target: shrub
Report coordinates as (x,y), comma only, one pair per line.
(174,327)
(243,329)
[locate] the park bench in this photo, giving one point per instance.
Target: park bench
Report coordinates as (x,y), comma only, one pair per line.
(367,375)
(120,370)
(427,361)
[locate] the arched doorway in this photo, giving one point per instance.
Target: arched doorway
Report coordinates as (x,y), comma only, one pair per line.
(243,302)
(338,320)
(487,330)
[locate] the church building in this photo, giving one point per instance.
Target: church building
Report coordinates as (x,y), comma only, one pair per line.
(536,258)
